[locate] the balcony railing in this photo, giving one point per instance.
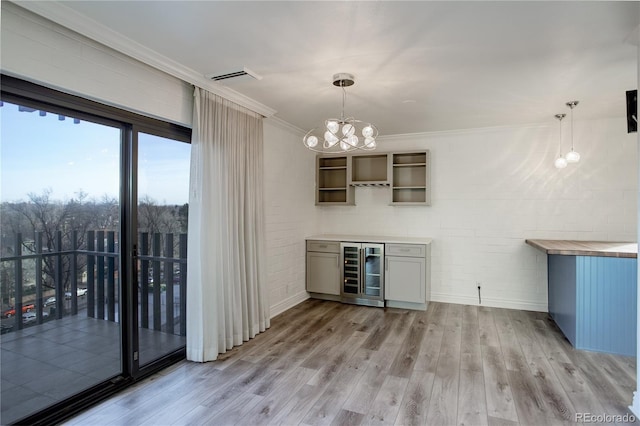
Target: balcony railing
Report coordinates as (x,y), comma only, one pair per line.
(84,279)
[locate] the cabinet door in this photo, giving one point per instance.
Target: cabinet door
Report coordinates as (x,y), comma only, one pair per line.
(323,273)
(405,279)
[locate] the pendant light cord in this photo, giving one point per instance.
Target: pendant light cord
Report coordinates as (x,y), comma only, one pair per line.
(560,117)
(572,128)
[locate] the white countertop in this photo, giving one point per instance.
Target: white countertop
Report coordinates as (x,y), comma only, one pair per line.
(371,239)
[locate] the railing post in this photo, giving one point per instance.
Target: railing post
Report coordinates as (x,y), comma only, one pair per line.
(157,309)
(39,296)
(100,250)
(183,284)
(91,277)
(17,303)
(144,281)
(74,273)
(111,281)
(168,277)
(58,277)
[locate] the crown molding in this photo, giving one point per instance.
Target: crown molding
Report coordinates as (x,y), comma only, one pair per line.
(69,18)
(285,125)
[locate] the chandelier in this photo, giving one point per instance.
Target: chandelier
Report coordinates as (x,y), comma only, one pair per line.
(342,134)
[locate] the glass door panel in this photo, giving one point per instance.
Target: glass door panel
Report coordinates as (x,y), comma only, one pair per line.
(163,193)
(59,280)
(351,269)
(373,259)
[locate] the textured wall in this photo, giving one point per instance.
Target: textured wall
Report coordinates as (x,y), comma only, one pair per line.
(290,213)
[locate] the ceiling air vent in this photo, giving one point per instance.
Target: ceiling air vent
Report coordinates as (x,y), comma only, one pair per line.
(236,75)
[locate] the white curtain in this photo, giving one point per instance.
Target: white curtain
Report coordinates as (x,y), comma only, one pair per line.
(226,299)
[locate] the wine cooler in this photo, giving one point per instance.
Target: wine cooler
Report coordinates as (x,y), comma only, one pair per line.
(362,271)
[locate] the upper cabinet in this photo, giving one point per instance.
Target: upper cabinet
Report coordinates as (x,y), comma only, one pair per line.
(407,173)
(332,175)
(410,178)
(369,170)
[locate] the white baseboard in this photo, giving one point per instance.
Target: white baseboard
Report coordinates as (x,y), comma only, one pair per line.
(288,303)
(493,303)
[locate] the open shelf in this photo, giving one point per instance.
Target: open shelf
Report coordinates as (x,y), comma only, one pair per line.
(369,170)
(409,158)
(332,162)
(410,174)
(331,181)
(332,178)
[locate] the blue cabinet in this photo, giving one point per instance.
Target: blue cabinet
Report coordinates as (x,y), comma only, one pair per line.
(593,301)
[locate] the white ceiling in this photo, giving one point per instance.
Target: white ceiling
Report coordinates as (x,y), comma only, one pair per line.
(419,66)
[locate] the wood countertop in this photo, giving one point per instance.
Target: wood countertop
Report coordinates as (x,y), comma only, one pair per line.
(370,239)
(586,248)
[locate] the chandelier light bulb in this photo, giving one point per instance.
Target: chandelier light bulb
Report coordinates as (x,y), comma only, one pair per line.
(330,138)
(353,140)
(311,141)
(572,157)
(333,126)
(348,129)
(344,146)
(370,143)
(560,163)
(367,131)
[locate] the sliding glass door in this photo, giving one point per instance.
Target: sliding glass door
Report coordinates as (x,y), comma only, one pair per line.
(94,210)
(163,212)
(60,263)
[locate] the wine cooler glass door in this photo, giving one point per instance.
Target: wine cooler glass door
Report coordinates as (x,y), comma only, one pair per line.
(373,270)
(350,269)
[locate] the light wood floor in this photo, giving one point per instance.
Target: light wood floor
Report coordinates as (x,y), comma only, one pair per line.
(328,363)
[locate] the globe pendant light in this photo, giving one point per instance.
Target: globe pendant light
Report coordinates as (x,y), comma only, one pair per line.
(560,162)
(342,134)
(572,156)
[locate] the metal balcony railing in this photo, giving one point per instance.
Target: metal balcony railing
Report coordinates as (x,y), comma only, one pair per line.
(84,279)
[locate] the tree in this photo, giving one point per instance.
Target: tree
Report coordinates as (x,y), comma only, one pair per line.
(42,215)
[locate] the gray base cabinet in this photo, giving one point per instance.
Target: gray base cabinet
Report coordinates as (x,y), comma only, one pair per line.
(323,267)
(406,280)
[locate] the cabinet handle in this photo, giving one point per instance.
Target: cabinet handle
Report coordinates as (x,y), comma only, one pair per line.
(362,277)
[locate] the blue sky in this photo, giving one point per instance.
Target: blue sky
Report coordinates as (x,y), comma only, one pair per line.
(41,152)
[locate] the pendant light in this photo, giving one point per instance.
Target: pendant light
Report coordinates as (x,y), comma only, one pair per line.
(342,134)
(560,162)
(572,156)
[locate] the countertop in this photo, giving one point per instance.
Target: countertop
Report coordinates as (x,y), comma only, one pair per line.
(586,248)
(371,239)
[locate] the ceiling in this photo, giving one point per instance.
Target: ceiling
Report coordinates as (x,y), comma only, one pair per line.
(419,66)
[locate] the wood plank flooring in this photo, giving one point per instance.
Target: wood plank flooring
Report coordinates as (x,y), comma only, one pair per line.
(326,363)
